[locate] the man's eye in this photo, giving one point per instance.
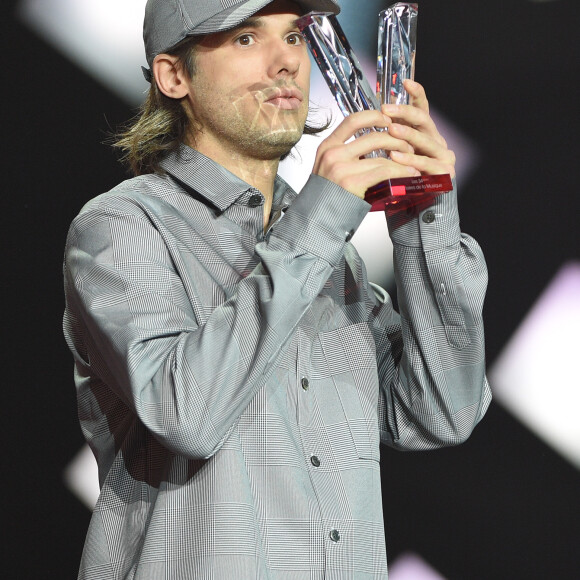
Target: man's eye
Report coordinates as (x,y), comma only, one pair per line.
(245,40)
(295,38)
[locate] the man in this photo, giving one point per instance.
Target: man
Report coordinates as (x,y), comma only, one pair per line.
(235,369)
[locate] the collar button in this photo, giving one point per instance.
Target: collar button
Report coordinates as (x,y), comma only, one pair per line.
(255,200)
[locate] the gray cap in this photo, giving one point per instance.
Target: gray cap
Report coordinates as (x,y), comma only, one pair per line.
(168,22)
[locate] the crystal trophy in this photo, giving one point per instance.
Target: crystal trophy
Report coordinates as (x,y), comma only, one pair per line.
(343,74)
(339,65)
(397,50)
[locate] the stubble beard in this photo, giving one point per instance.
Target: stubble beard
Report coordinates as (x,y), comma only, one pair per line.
(270,145)
(265,137)
(246,126)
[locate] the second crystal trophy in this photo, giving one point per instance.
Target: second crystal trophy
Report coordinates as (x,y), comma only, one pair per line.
(395,63)
(396,52)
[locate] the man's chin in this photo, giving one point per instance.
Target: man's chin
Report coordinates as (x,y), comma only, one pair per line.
(276,146)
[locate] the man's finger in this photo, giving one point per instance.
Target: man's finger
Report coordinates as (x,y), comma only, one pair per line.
(357,122)
(418,95)
(426,165)
(411,116)
(419,138)
(375,141)
(358,176)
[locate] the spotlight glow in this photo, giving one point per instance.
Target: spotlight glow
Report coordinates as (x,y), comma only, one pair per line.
(102,36)
(536,376)
(82,477)
(412,567)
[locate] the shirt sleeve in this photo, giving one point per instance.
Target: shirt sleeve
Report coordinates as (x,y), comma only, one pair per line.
(130,315)
(431,355)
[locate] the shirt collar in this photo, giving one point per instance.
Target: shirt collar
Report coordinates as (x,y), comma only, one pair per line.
(215,183)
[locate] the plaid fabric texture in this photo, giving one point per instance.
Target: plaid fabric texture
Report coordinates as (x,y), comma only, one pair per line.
(235,385)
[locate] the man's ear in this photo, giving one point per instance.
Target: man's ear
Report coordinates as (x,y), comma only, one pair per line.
(170,76)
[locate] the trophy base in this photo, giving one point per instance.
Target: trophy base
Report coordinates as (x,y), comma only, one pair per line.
(408,194)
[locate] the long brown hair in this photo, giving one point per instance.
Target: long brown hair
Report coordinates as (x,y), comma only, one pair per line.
(162,123)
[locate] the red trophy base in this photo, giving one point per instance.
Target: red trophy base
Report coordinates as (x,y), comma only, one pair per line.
(409,194)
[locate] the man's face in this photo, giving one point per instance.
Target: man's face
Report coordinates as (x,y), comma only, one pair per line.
(249,93)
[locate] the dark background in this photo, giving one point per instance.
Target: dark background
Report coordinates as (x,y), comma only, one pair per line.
(504,505)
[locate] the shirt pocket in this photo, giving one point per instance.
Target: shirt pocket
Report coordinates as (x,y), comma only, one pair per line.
(351,389)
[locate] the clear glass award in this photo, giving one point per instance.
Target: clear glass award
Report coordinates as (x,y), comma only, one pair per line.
(397,50)
(395,62)
(339,65)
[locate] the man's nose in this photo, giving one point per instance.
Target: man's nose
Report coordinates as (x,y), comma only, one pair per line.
(286,60)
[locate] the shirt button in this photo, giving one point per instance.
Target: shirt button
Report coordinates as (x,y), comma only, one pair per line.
(255,200)
(315,461)
(335,535)
(305,383)
(429,217)
(349,236)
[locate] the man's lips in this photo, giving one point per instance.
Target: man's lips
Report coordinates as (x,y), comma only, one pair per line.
(286,98)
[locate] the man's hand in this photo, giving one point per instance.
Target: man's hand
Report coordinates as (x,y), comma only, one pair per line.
(412,142)
(413,124)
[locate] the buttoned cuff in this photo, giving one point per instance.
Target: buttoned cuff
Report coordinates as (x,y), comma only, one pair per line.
(434,227)
(322,219)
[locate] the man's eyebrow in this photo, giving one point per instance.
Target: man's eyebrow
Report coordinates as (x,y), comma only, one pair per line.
(252,22)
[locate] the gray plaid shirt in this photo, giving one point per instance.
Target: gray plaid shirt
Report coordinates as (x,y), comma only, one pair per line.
(234,385)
